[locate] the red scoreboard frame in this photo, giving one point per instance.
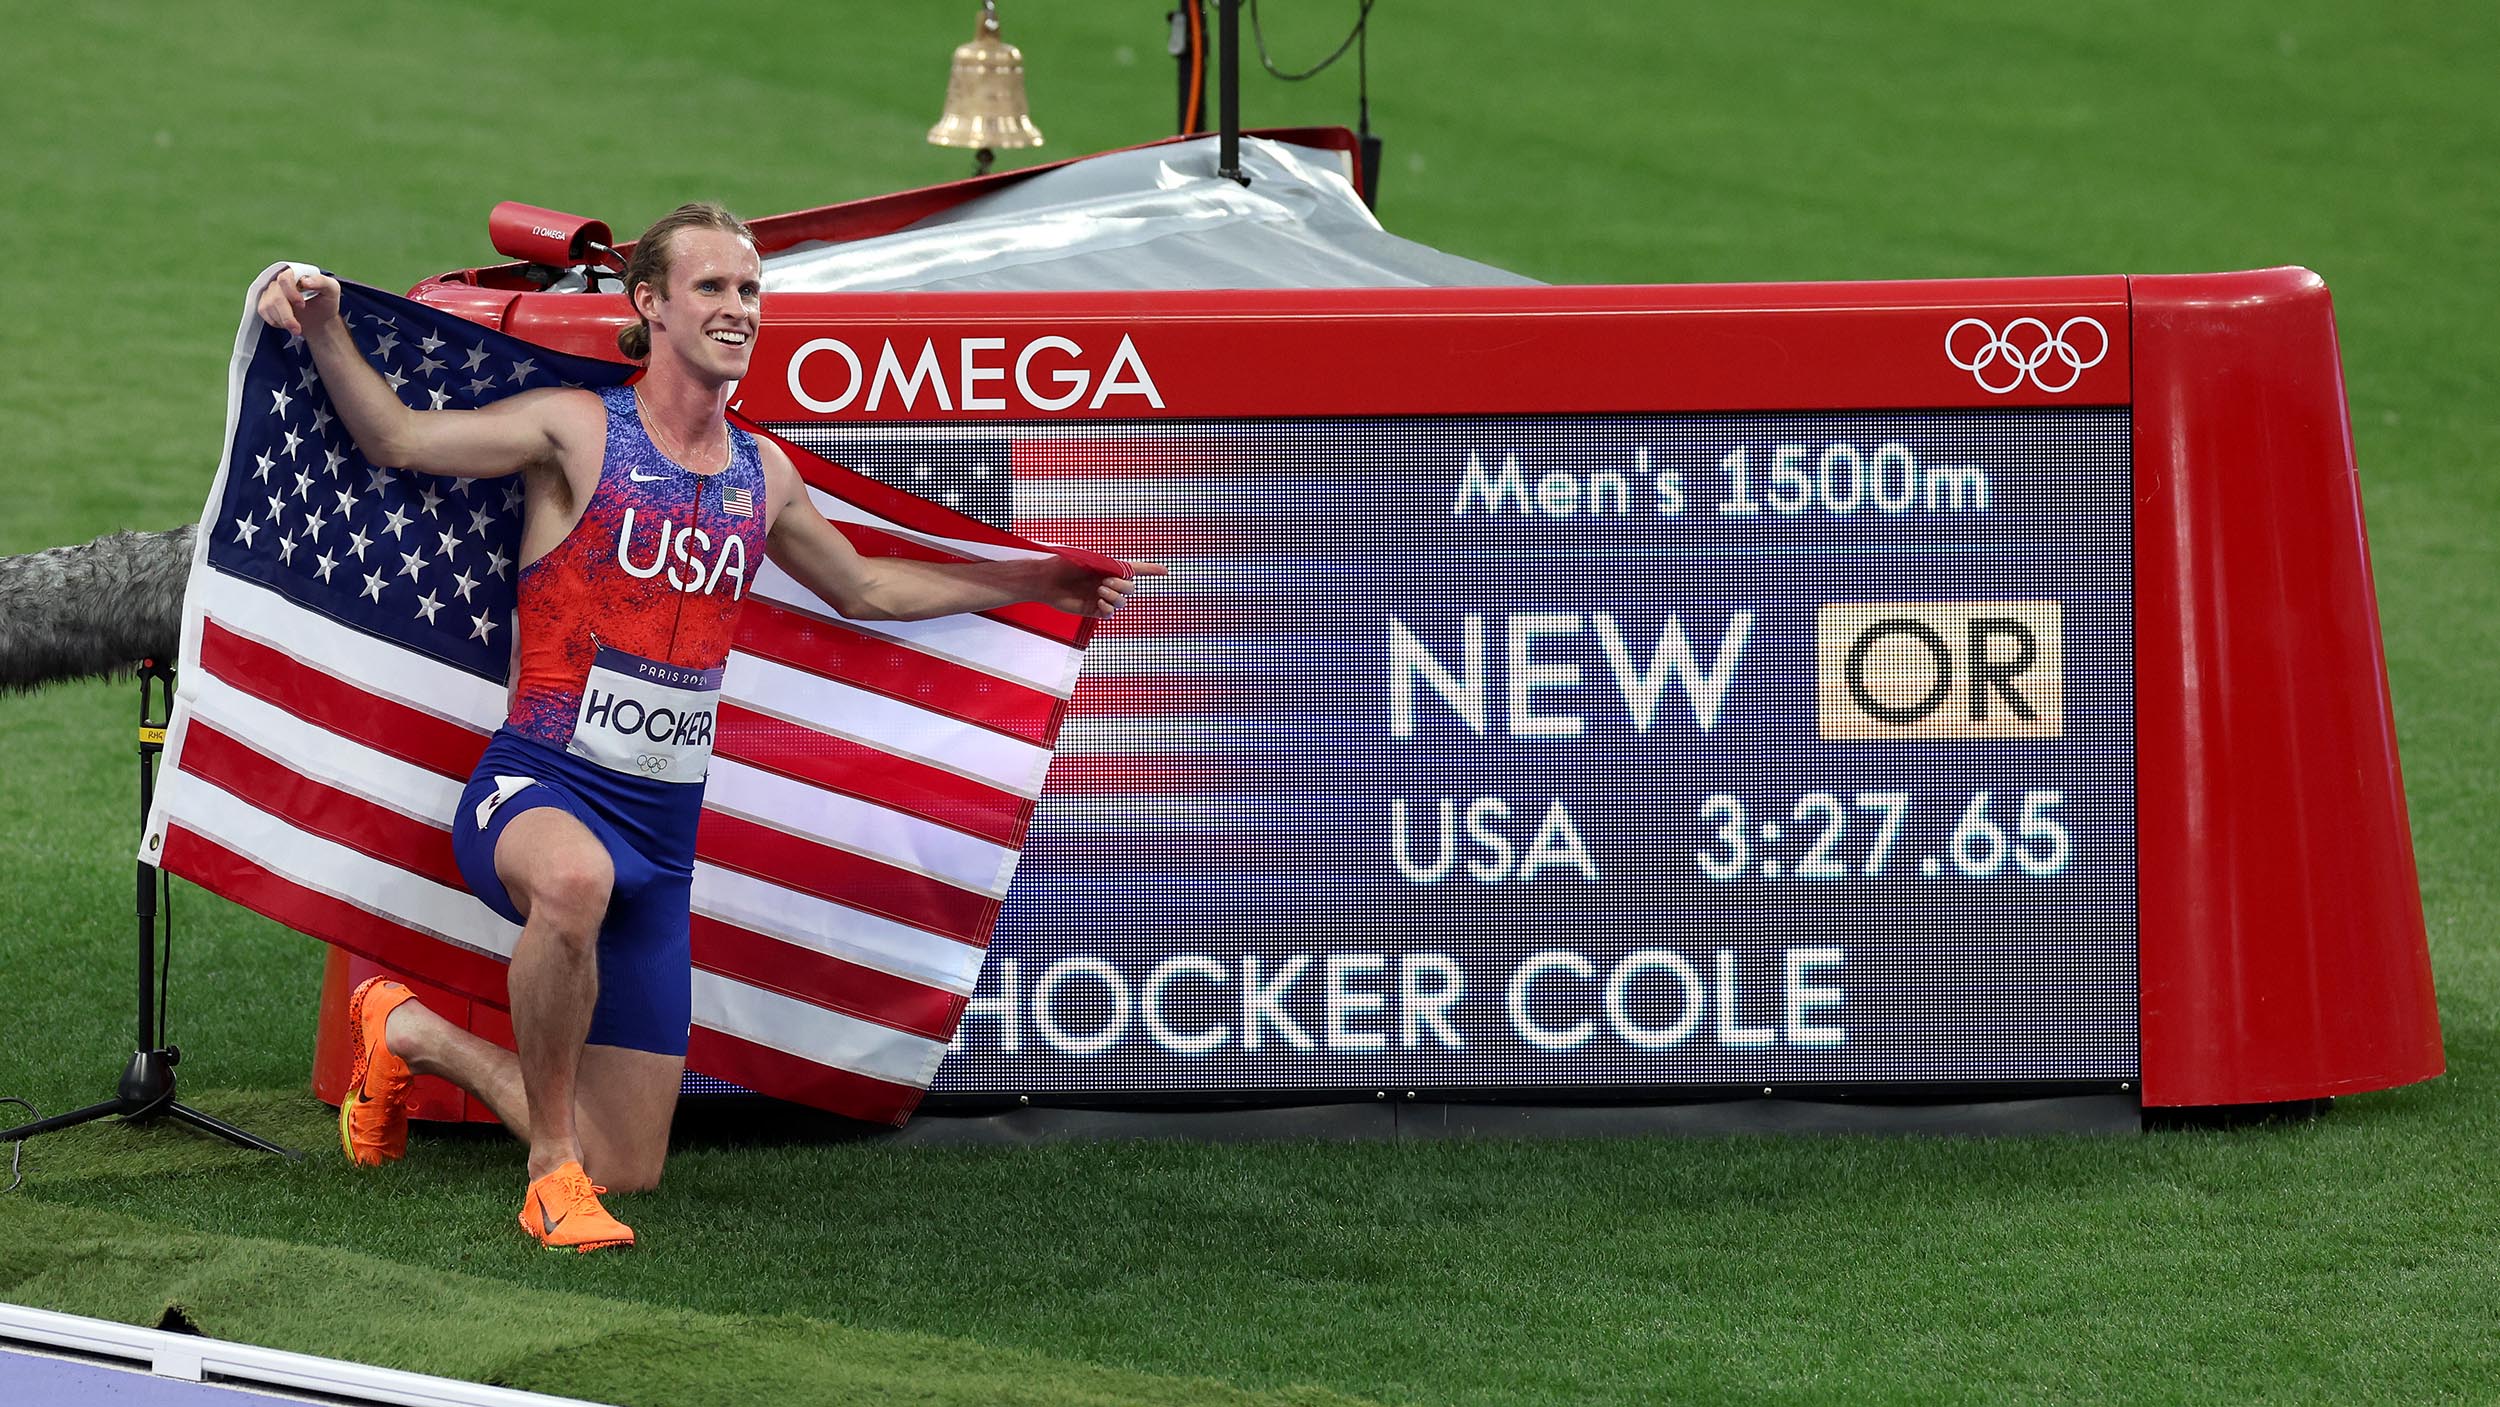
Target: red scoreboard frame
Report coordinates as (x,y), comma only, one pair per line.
(2282,953)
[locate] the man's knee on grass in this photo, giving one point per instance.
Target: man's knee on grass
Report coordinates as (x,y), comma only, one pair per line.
(625,1172)
(624,1161)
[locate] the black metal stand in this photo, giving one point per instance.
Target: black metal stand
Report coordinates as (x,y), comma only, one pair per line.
(146,1089)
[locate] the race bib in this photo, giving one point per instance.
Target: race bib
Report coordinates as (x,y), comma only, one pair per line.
(647,719)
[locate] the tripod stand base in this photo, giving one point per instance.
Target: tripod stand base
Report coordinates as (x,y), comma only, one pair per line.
(147,1092)
(147,1083)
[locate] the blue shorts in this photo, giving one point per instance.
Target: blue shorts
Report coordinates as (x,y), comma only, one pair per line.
(646,969)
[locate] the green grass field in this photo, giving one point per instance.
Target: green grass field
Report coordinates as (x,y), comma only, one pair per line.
(156,156)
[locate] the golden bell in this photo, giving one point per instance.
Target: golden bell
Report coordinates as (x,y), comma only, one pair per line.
(985,106)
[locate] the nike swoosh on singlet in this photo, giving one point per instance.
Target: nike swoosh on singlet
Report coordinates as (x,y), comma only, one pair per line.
(643,478)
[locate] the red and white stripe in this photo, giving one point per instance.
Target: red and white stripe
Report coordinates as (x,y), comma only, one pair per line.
(870,792)
(1149,721)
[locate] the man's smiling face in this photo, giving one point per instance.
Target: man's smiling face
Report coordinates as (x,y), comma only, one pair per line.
(715,300)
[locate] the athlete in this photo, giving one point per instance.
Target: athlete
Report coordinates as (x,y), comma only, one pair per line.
(577,823)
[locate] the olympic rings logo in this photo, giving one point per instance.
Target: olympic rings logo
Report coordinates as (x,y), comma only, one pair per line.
(2026,348)
(651,762)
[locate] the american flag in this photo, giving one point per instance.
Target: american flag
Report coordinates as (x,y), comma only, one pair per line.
(346,645)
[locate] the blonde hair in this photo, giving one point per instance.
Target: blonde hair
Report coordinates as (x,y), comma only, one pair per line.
(651,259)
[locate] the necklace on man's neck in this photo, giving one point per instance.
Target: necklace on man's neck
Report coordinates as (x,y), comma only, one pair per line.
(676,453)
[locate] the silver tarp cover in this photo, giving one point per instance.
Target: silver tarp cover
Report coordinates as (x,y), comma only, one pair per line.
(1156,218)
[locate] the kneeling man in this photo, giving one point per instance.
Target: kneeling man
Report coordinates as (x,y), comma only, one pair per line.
(577,824)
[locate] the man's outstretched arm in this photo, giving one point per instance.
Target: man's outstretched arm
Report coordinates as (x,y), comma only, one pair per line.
(503,438)
(888,588)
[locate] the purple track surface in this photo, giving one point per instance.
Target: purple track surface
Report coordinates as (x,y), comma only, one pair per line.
(39,1381)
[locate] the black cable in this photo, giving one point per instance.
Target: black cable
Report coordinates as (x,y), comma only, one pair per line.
(18,1147)
(1258,35)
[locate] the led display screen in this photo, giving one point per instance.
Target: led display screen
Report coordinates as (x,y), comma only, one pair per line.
(1571,752)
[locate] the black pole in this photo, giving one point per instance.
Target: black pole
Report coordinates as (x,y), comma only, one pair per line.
(1228,152)
(1196,120)
(1367,144)
(151,744)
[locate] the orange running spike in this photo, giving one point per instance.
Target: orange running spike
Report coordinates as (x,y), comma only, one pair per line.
(373,1115)
(562,1210)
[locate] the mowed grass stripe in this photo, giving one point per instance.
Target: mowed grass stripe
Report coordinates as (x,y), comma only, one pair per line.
(370,1309)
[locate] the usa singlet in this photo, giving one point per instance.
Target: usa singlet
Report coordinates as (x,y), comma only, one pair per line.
(622,632)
